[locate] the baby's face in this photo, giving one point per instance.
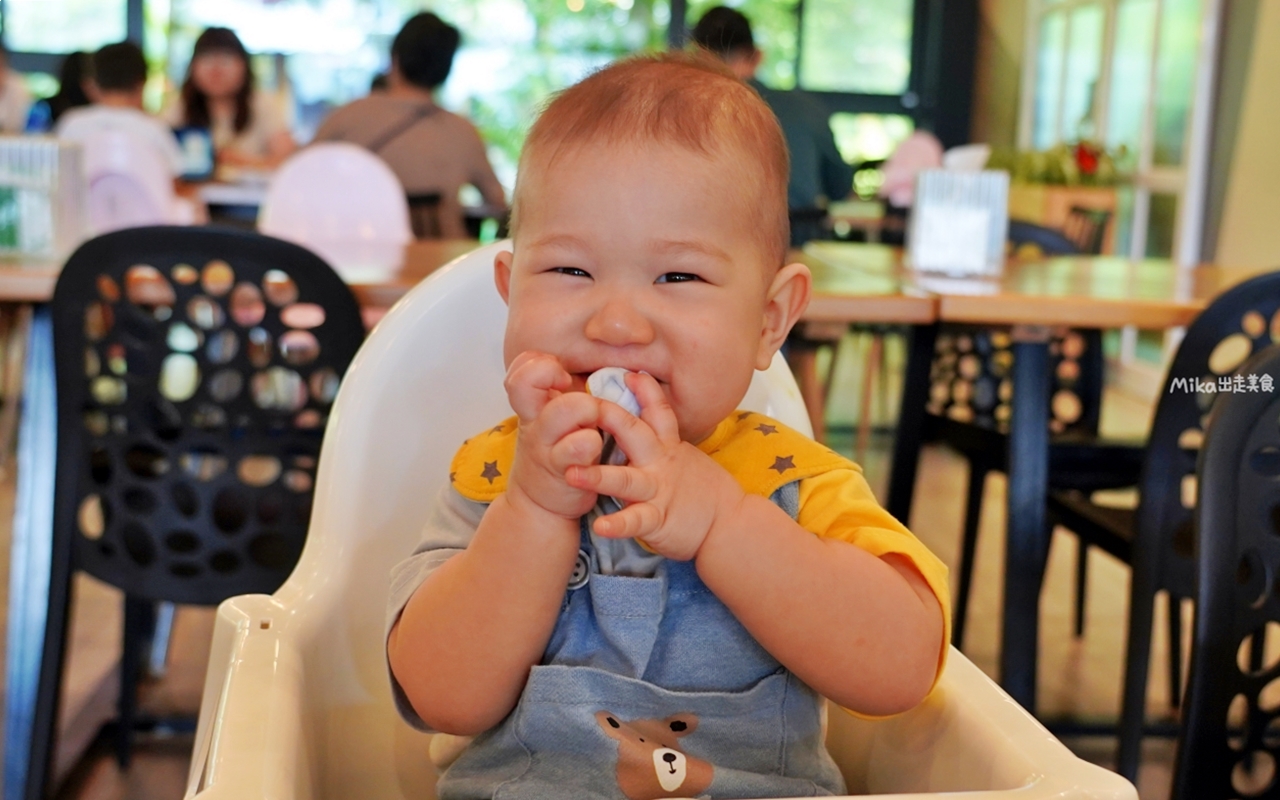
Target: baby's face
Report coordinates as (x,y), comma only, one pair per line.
(643,258)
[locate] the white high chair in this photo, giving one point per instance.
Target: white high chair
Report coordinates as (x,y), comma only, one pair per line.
(297,702)
(341,201)
(129,184)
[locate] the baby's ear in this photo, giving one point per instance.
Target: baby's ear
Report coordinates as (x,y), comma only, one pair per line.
(786,300)
(502,273)
(610,724)
(681,724)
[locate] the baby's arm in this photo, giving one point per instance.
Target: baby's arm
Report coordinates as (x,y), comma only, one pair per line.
(464,644)
(865,631)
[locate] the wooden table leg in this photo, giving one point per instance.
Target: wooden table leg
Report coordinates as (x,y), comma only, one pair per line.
(15,351)
(908,437)
(1027,544)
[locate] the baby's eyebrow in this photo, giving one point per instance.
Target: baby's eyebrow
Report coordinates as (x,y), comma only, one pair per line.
(560,240)
(674,247)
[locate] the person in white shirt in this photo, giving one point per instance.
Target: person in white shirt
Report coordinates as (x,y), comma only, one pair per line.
(15,100)
(118,72)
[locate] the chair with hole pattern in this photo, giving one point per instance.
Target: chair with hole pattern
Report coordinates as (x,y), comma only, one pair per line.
(1157,538)
(195,370)
(1228,744)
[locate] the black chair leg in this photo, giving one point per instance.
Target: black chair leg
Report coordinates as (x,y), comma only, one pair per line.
(1133,705)
(1082,583)
(139,621)
(44,727)
(972,517)
(1175,651)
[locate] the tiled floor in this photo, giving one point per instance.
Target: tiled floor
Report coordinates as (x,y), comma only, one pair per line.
(1079,678)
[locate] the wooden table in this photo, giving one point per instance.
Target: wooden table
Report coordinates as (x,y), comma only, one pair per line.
(31,280)
(1030,297)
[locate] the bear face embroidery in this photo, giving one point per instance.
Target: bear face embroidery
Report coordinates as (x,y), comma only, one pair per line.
(650,765)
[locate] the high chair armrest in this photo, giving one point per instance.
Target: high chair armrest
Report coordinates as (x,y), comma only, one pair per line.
(968,736)
(248,738)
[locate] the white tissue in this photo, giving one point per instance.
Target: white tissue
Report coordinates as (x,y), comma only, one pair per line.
(610,384)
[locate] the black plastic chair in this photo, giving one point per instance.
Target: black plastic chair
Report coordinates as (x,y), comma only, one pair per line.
(1087,228)
(424,215)
(1157,538)
(195,370)
(1049,241)
(1227,745)
(969,407)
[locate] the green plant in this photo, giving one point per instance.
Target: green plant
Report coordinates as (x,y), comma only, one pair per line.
(1077,164)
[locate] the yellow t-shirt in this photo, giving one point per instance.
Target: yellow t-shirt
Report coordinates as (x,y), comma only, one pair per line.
(763,455)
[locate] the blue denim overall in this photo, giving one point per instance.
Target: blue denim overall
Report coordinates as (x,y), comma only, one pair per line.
(651,688)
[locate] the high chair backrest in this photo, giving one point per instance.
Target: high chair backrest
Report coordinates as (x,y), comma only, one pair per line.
(340,200)
(427,377)
(129,183)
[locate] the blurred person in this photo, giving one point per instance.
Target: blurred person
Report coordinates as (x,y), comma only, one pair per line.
(431,150)
(116,76)
(15,100)
(248,127)
(818,172)
(72,75)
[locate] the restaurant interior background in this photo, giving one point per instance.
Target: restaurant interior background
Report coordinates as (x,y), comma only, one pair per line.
(1184,87)
(1190,112)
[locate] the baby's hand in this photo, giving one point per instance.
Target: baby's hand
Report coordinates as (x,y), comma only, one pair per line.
(675,493)
(558,430)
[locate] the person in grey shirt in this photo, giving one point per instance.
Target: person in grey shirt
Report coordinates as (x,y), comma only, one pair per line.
(818,172)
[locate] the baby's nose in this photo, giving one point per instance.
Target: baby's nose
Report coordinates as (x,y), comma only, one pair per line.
(618,323)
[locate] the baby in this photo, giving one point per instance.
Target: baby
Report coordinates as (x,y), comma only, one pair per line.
(676,643)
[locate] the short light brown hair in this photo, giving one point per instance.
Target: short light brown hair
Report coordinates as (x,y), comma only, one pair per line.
(690,100)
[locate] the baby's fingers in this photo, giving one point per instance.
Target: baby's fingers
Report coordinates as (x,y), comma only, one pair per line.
(655,408)
(533,379)
(576,450)
(627,484)
(632,522)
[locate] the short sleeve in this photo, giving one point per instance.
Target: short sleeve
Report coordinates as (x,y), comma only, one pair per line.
(839,505)
(450,526)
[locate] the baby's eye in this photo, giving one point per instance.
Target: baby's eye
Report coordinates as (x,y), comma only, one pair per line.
(574,271)
(678,277)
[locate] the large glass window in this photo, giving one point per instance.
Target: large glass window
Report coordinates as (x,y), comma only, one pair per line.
(40,26)
(1175,78)
(1083,64)
(1131,72)
(862,46)
(1124,72)
(1053,36)
(514,54)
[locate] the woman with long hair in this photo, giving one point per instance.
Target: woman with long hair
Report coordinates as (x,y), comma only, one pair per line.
(248,127)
